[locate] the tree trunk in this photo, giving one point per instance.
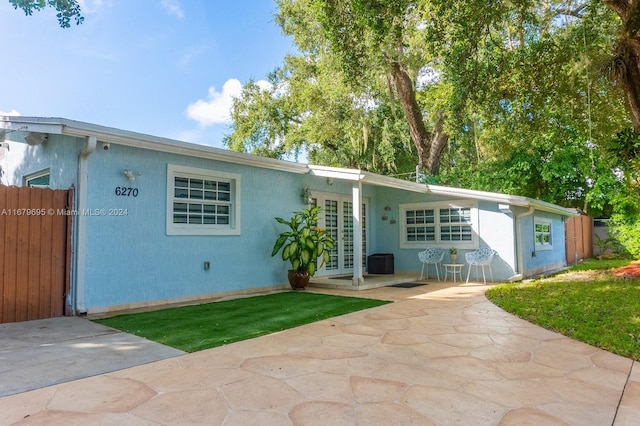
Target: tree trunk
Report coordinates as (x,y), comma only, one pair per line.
(627,54)
(429,145)
(439,140)
(627,71)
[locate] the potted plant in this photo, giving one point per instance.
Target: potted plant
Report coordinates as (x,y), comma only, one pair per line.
(453,254)
(302,245)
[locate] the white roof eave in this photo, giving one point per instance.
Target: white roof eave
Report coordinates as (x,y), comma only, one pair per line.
(155,143)
(140,140)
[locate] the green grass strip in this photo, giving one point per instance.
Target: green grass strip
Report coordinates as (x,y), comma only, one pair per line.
(197,327)
(587,303)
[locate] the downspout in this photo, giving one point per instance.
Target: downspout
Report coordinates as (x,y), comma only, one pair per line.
(81,230)
(520,261)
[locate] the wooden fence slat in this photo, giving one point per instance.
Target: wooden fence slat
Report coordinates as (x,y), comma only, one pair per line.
(46,292)
(22,264)
(35,255)
(3,238)
(11,260)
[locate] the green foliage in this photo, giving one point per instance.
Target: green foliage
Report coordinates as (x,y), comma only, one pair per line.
(624,227)
(198,327)
(309,107)
(525,87)
(594,307)
(67,9)
(304,243)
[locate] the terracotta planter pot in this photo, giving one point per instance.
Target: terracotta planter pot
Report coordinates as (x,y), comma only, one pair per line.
(298,280)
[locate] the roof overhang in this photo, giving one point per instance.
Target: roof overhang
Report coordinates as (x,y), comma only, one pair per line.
(446,191)
(138,140)
(79,129)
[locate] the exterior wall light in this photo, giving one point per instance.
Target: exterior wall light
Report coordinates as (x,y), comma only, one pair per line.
(306,196)
(131,175)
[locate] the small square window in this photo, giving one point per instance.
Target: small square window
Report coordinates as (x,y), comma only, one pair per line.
(543,234)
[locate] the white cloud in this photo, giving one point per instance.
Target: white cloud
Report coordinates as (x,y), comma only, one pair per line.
(264,85)
(216,109)
(173,7)
(12,112)
(88,7)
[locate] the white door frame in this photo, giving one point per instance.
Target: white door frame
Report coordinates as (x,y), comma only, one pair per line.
(357,225)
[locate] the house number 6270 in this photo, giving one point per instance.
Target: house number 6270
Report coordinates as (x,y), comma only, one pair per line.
(123,191)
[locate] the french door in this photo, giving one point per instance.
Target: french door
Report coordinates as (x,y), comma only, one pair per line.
(338,221)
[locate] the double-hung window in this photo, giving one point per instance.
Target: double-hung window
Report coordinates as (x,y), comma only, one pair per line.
(202,202)
(440,223)
(543,234)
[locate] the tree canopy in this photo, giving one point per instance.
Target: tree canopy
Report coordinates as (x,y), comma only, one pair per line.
(525,97)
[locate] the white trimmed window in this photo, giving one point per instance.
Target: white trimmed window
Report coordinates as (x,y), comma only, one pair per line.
(443,224)
(202,202)
(543,233)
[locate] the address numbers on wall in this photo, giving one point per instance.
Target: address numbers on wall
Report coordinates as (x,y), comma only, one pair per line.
(124,191)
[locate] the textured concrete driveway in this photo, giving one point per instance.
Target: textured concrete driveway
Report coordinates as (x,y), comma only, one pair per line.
(36,354)
(438,356)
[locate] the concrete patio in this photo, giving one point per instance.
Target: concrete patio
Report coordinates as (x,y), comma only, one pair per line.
(441,355)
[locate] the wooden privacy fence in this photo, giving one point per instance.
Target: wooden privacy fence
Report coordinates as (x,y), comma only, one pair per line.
(35,252)
(579,237)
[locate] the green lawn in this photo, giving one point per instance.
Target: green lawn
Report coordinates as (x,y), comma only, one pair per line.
(198,327)
(588,303)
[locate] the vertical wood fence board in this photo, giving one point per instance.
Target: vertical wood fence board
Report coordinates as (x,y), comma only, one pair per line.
(11,260)
(3,238)
(34,255)
(22,269)
(45,309)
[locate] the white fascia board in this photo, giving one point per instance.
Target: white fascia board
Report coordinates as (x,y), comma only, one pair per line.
(552,208)
(335,172)
(24,124)
(391,182)
(512,200)
(365,177)
(143,141)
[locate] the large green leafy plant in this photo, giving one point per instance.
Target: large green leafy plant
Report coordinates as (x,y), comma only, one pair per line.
(304,243)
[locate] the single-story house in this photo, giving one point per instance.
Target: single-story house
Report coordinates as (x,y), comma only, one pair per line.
(158,221)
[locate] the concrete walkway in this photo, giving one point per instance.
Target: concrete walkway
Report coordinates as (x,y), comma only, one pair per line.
(41,353)
(438,356)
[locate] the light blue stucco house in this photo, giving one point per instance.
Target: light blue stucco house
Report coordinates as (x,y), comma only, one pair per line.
(167,221)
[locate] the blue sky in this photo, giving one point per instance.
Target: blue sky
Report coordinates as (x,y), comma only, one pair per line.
(162,67)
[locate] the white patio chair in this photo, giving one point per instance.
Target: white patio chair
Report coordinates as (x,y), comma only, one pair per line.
(480,258)
(431,256)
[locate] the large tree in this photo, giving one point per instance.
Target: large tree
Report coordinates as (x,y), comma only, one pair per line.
(383,38)
(627,54)
(537,105)
(513,96)
(306,106)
